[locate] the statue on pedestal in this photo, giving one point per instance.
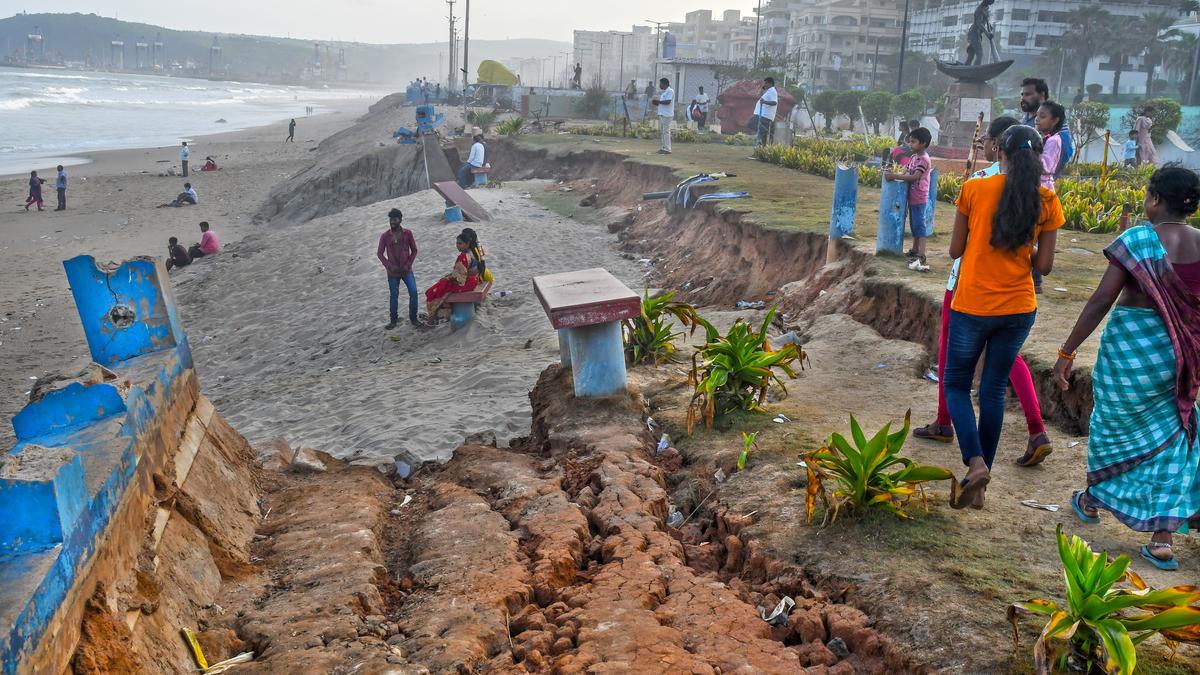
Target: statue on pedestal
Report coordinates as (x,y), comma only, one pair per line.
(981,26)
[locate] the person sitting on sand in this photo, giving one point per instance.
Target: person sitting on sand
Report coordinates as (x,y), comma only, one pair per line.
(177,255)
(188,196)
(209,243)
(210,164)
(464,277)
(35,191)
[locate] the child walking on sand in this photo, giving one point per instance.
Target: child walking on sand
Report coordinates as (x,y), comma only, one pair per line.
(998,220)
(917,177)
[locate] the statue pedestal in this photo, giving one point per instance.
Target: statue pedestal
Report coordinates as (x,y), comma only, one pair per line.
(964,102)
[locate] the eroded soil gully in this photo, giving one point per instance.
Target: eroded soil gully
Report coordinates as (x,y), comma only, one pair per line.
(716,257)
(555,557)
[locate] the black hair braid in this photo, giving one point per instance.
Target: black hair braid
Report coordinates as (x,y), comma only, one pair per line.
(1020,207)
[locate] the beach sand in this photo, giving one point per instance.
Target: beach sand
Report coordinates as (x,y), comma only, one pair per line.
(111,215)
(287,328)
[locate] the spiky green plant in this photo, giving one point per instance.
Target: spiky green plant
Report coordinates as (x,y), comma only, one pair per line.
(511,126)
(868,473)
(749,442)
(650,337)
(1101,625)
(733,371)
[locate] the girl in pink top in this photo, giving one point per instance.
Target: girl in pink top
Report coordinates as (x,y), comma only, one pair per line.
(1049,121)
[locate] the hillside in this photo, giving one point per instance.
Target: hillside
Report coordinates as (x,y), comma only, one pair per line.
(86,39)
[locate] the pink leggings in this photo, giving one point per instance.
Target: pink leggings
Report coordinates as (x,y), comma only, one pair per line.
(1020,378)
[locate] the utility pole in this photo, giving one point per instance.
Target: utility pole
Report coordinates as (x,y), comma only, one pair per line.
(601,74)
(903,47)
(875,65)
(451,77)
(466,61)
(621,77)
(657,46)
(757,31)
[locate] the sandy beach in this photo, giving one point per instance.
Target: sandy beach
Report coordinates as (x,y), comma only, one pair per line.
(111,214)
(287,329)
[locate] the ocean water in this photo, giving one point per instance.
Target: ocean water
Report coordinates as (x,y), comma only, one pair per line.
(48,117)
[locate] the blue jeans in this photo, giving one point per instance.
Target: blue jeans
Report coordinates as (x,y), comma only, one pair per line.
(464,176)
(916,220)
(394,295)
(1002,336)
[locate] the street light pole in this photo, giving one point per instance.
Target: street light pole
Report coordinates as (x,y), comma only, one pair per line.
(466,62)
(903,47)
(621,77)
(657,47)
(757,31)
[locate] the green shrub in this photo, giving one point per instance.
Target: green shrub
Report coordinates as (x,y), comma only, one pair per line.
(650,337)
(511,127)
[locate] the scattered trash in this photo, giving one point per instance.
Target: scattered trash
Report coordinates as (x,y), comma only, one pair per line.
(788,338)
(781,419)
(779,616)
(406,502)
(434,360)
(1061,290)
(403,469)
(1072,444)
(244,657)
(881,366)
(720,476)
(931,375)
(333,368)
(674,518)
(1034,504)
(645,261)
(650,423)
(802,464)
(501,294)
(663,444)
(189,638)
(746,304)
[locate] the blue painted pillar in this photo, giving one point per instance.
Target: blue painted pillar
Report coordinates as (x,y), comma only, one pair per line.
(564,347)
(461,314)
(845,201)
(598,360)
(893,203)
(126,311)
(931,203)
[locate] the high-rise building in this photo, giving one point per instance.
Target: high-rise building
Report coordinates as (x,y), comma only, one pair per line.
(700,36)
(599,53)
(838,42)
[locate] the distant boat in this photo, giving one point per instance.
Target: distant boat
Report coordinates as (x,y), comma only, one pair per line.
(981,73)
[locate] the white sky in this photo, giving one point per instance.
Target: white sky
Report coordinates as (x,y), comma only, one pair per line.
(383,21)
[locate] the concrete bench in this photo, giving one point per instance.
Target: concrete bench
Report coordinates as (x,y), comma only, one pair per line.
(462,305)
(587,307)
(480,175)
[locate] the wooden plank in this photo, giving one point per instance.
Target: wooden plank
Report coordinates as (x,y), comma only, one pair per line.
(437,167)
(585,298)
(477,295)
(451,192)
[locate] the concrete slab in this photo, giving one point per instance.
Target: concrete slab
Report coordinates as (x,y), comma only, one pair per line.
(585,297)
(451,192)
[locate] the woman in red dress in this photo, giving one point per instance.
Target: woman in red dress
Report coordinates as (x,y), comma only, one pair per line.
(464,277)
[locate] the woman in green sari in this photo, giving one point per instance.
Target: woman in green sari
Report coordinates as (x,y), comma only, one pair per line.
(1143,457)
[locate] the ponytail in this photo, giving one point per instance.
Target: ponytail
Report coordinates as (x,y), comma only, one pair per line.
(472,240)
(1020,207)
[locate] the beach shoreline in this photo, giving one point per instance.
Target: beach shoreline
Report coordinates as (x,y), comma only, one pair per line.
(113,213)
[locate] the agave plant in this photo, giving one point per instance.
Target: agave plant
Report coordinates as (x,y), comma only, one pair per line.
(1102,625)
(649,337)
(868,473)
(511,127)
(733,371)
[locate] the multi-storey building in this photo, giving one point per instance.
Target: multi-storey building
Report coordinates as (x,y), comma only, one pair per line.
(700,36)
(613,58)
(839,43)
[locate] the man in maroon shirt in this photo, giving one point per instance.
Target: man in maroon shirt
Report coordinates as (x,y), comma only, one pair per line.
(397,250)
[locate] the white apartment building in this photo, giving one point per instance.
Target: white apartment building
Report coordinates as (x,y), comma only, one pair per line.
(700,36)
(837,42)
(600,55)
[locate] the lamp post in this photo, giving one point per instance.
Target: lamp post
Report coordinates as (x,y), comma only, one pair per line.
(903,47)
(657,46)
(621,77)
(466,63)
(757,31)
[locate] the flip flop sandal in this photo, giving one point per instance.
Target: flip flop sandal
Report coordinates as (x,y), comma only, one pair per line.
(1035,456)
(1077,506)
(1168,565)
(970,487)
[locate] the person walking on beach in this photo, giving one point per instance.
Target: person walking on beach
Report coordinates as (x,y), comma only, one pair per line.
(177,255)
(763,120)
(998,220)
(474,161)
(209,244)
(35,191)
(666,113)
(184,153)
(1143,454)
(941,430)
(917,175)
(1146,152)
(291,132)
(60,185)
(397,250)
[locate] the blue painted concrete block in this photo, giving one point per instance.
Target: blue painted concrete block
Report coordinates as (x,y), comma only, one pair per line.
(481,179)
(564,347)
(845,202)
(893,205)
(42,498)
(72,406)
(461,314)
(126,311)
(453,214)
(598,360)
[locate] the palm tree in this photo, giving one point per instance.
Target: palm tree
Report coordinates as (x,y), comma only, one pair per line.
(1151,31)
(1090,30)
(1179,59)
(1118,52)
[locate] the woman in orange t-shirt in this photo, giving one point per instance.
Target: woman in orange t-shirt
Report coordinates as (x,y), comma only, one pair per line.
(998,221)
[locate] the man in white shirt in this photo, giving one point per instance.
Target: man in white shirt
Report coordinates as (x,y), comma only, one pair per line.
(474,161)
(666,112)
(701,101)
(764,112)
(184,153)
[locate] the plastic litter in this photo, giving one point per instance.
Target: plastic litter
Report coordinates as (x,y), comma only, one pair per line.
(931,375)
(1061,290)
(788,338)
(1034,504)
(244,657)
(1072,444)
(663,444)
(781,419)
(675,518)
(719,475)
(403,469)
(779,615)
(407,500)
(746,304)
(650,423)
(881,366)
